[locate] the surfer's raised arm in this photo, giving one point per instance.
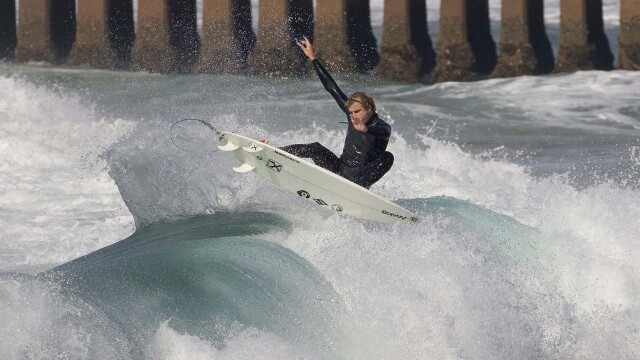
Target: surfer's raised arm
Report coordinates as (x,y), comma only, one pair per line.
(364,158)
(326,79)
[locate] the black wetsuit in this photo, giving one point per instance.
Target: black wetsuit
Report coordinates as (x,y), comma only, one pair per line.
(364,159)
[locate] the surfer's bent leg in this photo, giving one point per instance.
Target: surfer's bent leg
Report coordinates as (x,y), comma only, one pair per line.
(375,170)
(320,155)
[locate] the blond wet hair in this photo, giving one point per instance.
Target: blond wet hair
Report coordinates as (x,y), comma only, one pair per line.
(365,100)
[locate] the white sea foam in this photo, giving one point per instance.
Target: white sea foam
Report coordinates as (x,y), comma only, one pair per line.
(401,283)
(39,322)
(57,200)
(426,291)
(240,344)
(598,101)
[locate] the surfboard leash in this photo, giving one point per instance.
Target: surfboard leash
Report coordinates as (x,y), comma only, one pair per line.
(183,120)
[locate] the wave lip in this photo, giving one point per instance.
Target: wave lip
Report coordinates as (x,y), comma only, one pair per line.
(206,275)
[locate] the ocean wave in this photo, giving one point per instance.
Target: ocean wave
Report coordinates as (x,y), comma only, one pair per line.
(207,276)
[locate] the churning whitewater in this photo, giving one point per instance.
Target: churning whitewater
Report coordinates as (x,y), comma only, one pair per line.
(116,242)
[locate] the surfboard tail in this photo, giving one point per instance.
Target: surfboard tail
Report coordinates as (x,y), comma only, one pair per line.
(228,147)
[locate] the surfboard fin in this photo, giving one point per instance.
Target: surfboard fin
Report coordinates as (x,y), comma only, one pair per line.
(243,168)
(228,147)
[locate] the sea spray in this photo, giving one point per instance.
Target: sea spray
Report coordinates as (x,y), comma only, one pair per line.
(55,188)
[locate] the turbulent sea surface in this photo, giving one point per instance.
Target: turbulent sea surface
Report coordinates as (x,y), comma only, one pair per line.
(115,243)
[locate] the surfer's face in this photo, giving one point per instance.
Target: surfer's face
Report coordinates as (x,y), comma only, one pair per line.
(358,114)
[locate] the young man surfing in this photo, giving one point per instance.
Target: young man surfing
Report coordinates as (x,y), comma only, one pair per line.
(364,159)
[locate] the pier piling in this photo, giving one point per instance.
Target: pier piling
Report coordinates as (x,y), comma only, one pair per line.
(152,50)
(524,46)
(276,51)
(227,37)
(455,60)
(629,35)
(407,51)
(582,43)
(92,47)
(34,39)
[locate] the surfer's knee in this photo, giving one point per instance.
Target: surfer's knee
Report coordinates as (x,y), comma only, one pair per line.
(389,158)
(376,170)
(385,162)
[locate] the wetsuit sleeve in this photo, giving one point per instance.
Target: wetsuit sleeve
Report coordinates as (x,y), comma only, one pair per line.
(380,129)
(331,86)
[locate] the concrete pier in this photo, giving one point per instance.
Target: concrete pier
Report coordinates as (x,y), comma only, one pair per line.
(7,29)
(629,35)
(227,37)
(152,50)
(276,51)
(582,43)
(455,60)
(34,40)
(524,46)
(101,34)
(407,51)
(92,47)
(331,37)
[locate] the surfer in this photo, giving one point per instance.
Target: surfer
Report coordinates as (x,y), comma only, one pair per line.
(364,159)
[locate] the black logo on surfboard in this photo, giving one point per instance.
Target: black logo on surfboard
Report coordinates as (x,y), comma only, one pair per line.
(305,194)
(414,219)
(274,165)
(320,202)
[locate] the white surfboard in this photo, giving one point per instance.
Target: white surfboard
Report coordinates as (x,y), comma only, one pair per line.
(310,181)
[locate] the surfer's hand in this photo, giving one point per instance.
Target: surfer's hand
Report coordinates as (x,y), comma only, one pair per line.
(264,141)
(358,125)
(307,48)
